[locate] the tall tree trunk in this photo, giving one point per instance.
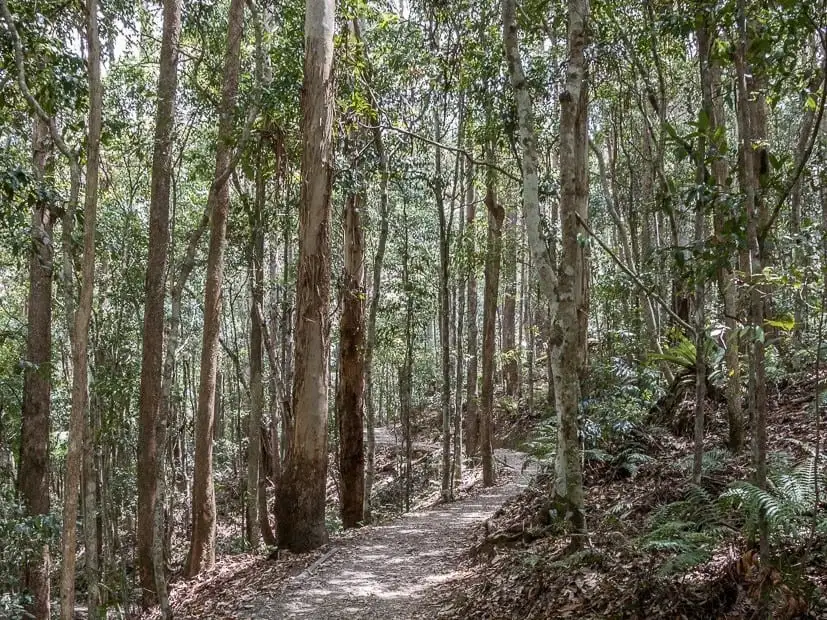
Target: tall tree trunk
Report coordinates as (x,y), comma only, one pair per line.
(201,554)
(90,507)
(185,268)
(350,395)
(564,289)
(702,34)
(471,415)
(753,158)
(406,370)
(149,399)
(376,278)
(459,326)
(33,465)
(82,317)
(444,314)
(489,320)
(301,502)
(536,228)
(712,94)
(276,386)
(568,329)
(256,362)
(510,351)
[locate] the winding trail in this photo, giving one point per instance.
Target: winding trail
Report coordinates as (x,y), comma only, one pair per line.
(391,572)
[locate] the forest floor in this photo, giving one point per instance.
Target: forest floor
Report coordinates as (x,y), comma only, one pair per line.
(659,547)
(393,570)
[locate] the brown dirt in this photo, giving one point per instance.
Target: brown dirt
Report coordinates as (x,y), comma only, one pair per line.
(394,570)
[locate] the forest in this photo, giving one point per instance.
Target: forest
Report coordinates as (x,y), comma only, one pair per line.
(413,308)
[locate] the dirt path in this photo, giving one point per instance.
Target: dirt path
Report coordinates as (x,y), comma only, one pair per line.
(389,572)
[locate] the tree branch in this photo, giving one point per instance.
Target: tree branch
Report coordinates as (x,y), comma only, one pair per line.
(635,277)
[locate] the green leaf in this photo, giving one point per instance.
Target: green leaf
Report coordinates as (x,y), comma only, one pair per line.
(786,322)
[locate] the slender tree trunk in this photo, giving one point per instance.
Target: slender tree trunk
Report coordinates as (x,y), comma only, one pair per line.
(459,290)
(276,385)
(471,415)
(301,502)
(91,510)
(489,321)
(712,94)
(699,276)
(33,465)
(378,260)
(256,362)
(510,351)
(202,541)
(536,228)
(286,333)
(406,371)
(82,317)
(185,268)
(753,158)
(153,335)
(444,315)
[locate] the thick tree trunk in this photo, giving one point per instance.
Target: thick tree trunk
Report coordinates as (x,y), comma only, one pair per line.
(301,502)
(202,540)
(350,397)
(33,466)
(149,399)
(489,323)
(82,317)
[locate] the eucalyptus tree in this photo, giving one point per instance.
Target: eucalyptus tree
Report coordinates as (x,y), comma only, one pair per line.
(33,468)
(563,288)
(378,263)
(471,425)
(79,336)
(351,367)
(301,496)
(33,483)
(150,423)
(493,257)
(201,554)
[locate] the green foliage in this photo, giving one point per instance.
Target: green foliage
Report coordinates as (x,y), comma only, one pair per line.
(713,460)
(787,503)
(682,353)
(625,463)
(23,538)
(691,528)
